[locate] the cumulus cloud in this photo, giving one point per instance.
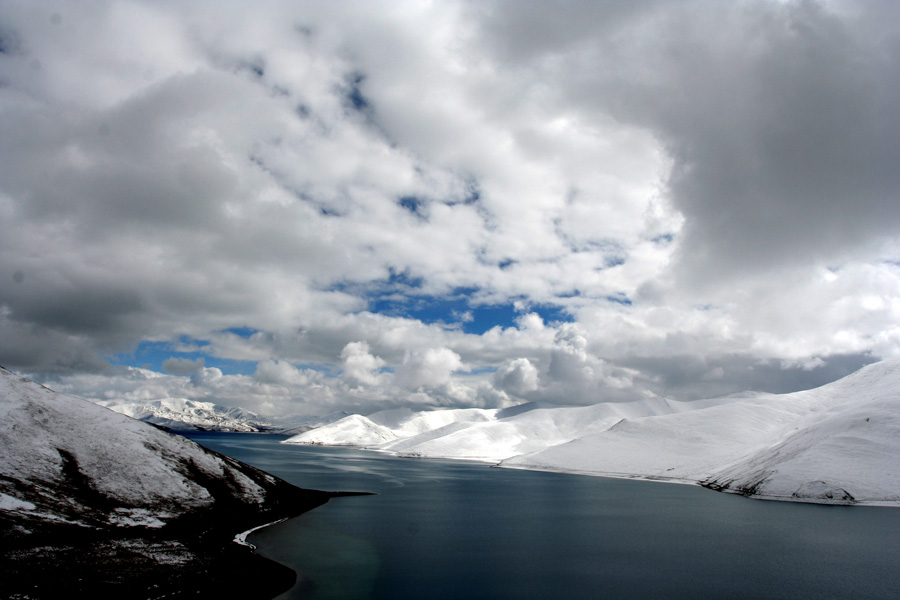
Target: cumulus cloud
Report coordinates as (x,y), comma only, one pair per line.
(653,198)
(278,372)
(429,369)
(207,377)
(360,367)
(517,377)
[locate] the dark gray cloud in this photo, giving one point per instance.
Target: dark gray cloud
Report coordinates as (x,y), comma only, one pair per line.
(779,118)
(43,351)
(182,366)
(793,155)
(692,377)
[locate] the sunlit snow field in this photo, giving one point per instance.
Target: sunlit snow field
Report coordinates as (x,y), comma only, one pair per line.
(452,529)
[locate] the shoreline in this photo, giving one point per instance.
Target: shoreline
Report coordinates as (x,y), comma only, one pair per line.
(494,463)
(608,475)
(241,538)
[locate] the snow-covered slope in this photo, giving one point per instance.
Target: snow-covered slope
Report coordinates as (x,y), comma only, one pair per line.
(685,446)
(837,443)
(180,414)
(848,448)
(354,430)
(78,478)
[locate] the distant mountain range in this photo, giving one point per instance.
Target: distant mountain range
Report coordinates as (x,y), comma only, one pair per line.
(95,502)
(837,444)
(181,414)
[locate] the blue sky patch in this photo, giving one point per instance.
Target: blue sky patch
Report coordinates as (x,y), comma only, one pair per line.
(244,332)
(414,205)
(664,239)
(620,298)
(354,94)
(458,310)
(613,261)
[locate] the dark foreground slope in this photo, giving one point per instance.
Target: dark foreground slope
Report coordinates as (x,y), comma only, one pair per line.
(94,501)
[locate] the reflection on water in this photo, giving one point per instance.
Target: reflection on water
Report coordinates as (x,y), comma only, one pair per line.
(446,529)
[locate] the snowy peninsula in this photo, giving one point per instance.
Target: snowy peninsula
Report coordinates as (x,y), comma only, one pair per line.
(836,444)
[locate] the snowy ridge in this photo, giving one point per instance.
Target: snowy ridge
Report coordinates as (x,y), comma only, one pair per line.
(839,443)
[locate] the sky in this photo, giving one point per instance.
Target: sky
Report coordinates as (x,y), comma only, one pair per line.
(303,207)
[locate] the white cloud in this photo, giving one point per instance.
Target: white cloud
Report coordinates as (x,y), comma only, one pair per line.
(207,377)
(360,367)
(706,189)
(518,377)
(279,372)
(429,369)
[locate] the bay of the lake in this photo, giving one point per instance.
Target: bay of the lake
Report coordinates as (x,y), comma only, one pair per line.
(449,529)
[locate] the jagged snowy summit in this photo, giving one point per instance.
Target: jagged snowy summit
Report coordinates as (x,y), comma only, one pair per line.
(182,414)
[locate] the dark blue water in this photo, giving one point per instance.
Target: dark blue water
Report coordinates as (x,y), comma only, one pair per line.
(455,530)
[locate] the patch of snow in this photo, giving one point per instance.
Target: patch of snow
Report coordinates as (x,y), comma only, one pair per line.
(10,503)
(135,517)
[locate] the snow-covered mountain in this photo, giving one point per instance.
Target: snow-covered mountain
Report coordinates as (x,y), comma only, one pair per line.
(477,434)
(180,414)
(113,505)
(839,443)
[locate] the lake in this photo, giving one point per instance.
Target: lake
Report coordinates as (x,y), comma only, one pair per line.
(443,529)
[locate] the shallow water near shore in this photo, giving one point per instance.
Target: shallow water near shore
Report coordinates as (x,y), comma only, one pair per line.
(449,529)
